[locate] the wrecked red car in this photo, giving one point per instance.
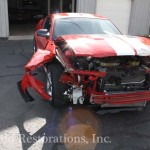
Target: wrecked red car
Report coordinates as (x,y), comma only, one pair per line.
(88,61)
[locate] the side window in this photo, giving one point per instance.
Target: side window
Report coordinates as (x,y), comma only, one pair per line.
(47,24)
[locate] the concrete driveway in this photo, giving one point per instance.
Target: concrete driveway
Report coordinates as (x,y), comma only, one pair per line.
(37,125)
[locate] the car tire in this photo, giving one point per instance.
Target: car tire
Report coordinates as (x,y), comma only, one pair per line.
(58,89)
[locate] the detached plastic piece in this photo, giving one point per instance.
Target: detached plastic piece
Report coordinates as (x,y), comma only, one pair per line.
(29,81)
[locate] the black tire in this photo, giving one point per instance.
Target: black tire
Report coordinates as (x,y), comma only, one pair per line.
(58,88)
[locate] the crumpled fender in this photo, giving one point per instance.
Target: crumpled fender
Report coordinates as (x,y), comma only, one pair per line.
(39,58)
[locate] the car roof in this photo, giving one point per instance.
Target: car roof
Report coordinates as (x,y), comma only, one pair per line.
(71,15)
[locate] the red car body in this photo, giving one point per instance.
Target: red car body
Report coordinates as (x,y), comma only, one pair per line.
(91,61)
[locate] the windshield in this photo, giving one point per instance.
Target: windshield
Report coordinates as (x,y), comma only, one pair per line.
(67,26)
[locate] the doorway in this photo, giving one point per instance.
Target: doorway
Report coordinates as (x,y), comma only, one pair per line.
(24,14)
(57,6)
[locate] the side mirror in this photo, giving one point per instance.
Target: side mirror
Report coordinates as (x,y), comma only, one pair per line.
(43,33)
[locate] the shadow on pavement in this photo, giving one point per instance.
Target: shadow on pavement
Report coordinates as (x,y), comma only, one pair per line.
(70,128)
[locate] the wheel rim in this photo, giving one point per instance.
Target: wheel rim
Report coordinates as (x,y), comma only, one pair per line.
(49,84)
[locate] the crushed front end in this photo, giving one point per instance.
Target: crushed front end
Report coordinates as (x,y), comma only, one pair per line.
(99,75)
(111,81)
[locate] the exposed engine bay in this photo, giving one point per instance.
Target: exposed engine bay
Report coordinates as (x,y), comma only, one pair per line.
(124,73)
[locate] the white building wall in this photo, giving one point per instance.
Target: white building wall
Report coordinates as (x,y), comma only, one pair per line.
(118,11)
(4,29)
(140,17)
(86,6)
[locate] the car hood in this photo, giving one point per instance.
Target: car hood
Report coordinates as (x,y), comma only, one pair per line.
(108,45)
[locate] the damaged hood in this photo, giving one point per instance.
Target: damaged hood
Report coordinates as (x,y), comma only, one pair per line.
(108,45)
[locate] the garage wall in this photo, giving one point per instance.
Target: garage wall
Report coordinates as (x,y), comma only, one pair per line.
(86,6)
(118,11)
(140,17)
(4,29)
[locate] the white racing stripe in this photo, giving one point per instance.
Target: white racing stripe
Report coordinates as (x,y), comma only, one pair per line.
(120,47)
(141,48)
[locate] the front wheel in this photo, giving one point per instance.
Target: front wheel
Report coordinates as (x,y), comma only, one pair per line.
(54,87)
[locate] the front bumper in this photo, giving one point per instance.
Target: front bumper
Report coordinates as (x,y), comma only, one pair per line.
(29,81)
(121,98)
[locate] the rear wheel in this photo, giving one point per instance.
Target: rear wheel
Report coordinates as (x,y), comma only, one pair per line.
(54,87)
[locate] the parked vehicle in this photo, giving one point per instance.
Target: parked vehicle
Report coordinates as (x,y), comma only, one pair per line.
(88,61)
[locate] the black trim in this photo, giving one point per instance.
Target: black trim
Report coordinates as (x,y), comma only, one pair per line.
(26,96)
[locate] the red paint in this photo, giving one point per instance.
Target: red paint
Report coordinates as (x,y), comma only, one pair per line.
(144,40)
(67,79)
(39,24)
(89,73)
(89,45)
(29,81)
(96,45)
(39,58)
(70,78)
(67,15)
(125,98)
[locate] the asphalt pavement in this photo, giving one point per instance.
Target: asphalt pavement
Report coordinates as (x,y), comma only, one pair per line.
(37,125)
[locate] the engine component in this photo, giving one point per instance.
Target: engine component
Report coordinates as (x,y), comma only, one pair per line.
(111,79)
(116,80)
(119,61)
(145,61)
(80,63)
(77,96)
(123,73)
(104,64)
